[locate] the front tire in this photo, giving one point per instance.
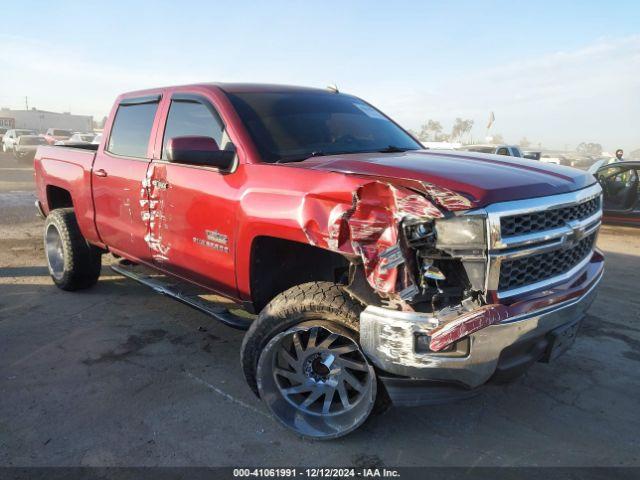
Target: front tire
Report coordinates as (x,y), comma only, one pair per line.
(302,358)
(73,263)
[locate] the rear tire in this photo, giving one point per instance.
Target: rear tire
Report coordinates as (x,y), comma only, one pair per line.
(73,263)
(317,324)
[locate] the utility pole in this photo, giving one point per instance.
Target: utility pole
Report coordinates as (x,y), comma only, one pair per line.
(26,103)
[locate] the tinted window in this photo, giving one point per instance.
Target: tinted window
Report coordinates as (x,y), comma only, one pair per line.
(516,152)
(289,126)
(188,118)
(131,129)
(62,133)
(27,140)
(481,149)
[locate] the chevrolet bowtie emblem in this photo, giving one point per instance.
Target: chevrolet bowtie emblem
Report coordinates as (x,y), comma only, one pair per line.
(576,234)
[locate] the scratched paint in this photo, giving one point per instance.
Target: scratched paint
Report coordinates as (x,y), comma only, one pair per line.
(152,206)
(396,340)
(466,324)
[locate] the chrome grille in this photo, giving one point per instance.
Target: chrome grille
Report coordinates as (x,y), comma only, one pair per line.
(540,242)
(546,220)
(535,268)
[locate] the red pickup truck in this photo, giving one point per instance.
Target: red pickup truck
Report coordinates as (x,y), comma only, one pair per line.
(374,272)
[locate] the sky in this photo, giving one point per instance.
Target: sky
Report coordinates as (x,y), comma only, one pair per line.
(556,72)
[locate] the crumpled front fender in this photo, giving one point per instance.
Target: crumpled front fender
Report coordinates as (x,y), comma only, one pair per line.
(369,228)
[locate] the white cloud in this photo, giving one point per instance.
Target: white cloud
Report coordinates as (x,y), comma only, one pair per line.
(589,94)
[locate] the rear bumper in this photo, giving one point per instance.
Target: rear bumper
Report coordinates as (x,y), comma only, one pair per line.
(391,338)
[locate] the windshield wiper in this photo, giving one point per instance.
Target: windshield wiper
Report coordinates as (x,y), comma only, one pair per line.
(393,149)
(322,153)
(300,158)
(303,157)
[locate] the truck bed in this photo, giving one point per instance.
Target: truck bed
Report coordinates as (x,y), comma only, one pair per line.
(69,169)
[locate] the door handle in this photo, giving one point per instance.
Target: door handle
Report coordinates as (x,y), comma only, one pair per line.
(101,172)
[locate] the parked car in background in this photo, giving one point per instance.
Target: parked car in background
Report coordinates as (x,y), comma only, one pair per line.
(583,162)
(26,146)
(77,139)
(11,137)
(598,164)
(532,155)
(555,159)
(97,139)
(620,182)
(55,134)
(507,150)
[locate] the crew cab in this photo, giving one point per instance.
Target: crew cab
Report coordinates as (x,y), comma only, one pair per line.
(372,272)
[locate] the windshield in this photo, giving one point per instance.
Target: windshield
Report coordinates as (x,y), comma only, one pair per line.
(28,140)
(86,138)
(62,133)
(479,149)
(292,126)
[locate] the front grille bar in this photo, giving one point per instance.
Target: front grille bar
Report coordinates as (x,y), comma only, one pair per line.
(509,248)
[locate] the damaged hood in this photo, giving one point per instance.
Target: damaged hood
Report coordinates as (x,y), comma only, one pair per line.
(484,179)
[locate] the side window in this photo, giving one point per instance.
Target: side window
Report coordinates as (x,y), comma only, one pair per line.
(615,175)
(131,129)
(516,152)
(192,118)
(503,151)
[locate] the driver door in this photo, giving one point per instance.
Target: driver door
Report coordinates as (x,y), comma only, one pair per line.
(620,189)
(193,207)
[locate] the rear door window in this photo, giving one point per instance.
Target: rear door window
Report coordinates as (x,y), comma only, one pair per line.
(503,151)
(132,128)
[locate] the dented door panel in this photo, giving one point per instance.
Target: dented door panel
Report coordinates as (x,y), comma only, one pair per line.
(192,212)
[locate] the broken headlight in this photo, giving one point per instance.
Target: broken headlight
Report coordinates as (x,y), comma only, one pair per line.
(465,232)
(464,237)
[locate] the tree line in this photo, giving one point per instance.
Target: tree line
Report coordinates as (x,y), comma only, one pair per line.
(432,131)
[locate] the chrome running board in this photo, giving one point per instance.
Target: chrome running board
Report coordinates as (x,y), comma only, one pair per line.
(194,301)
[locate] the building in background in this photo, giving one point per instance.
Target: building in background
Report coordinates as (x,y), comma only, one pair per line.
(40,120)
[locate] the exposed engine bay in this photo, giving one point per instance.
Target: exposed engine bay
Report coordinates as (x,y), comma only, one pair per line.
(417,249)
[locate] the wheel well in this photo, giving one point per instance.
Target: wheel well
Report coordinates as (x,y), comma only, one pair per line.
(58,197)
(277,265)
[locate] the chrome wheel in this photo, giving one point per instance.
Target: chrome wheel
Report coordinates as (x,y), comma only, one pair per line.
(55,253)
(316,380)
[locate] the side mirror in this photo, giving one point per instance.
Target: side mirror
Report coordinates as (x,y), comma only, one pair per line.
(196,150)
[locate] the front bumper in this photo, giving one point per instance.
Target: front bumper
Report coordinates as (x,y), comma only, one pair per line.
(389,338)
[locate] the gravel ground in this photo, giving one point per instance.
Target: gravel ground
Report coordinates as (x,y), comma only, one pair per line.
(117,375)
